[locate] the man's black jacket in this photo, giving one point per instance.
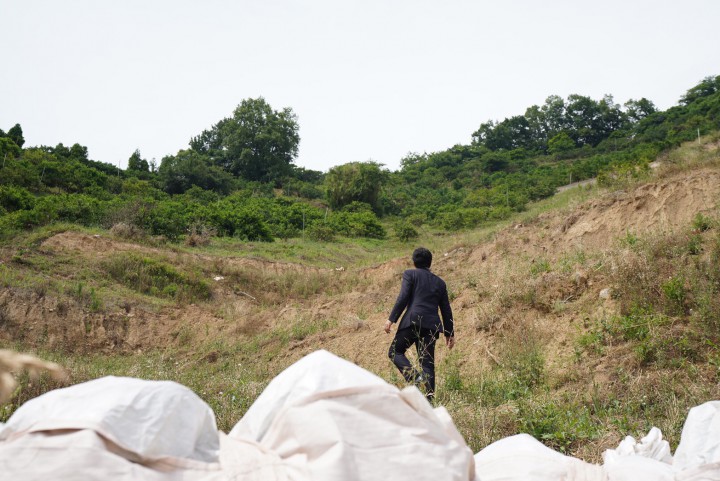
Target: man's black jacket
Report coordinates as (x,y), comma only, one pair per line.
(422,293)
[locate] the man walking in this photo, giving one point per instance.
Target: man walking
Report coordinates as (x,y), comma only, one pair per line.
(422,293)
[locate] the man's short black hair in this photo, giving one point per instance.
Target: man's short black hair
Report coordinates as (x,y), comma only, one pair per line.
(422,258)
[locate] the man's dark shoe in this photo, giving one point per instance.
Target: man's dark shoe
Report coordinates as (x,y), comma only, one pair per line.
(421,382)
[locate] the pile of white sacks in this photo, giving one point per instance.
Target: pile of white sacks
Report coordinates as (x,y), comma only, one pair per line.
(321,419)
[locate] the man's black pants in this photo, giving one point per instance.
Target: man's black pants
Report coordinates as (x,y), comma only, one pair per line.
(424,340)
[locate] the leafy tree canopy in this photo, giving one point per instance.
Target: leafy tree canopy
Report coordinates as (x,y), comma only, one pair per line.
(16,135)
(355,181)
(257,143)
(137,163)
(178,173)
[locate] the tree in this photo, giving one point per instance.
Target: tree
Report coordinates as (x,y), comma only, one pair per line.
(79,152)
(137,163)
(509,134)
(256,143)
(582,114)
(636,110)
(16,135)
(554,115)
(8,148)
(560,143)
(707,87)
(178,173)
(355,181)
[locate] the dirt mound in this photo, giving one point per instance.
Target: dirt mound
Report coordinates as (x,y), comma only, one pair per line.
(656,206)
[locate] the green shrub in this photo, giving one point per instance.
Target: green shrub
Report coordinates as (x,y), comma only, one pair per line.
(451,221)
(701,223)
(321,232)
(357,224)
(165,218)
(694,244)
(14,198)
(560,427)
(676,294)
(405,231)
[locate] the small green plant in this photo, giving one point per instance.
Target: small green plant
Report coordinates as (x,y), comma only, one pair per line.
(701,223)
(523,361)
(539,266)
(646,352)
(19,257)
(453,380)
(305,328)
(79,290)
(694,244)
(630,239)
(593,341)
(675,293)
(560,427)
(636,325)
(95,302)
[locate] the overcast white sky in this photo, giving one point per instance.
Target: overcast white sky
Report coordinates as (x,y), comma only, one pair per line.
(368,79)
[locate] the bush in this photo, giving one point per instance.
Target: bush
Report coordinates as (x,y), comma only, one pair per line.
(357,224)
(166,218)
(75,208)
(451,220)
(405,231)
(199,235)
(321,232)
(243,223)
(14,198)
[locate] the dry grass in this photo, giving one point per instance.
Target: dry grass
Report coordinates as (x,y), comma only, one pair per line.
(199,235)
(127,231)
(13,362)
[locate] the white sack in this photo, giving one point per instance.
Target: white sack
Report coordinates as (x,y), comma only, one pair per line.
(639,468)
(315,373)
(84,456)
(524,458)
(328,419)
(150,419)
(651,446)
(647,460)
(700,439)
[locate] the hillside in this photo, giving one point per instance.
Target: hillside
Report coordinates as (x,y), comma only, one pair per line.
(579,324)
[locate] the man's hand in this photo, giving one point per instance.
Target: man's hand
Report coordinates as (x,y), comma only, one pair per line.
(450,341)
(388,324)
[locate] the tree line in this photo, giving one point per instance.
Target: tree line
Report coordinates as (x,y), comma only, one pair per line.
(238,176)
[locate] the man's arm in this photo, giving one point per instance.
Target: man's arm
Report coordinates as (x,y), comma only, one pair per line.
(403,298)
(447,319)
(402,301)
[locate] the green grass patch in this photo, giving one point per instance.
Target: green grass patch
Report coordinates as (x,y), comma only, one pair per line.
(156,278)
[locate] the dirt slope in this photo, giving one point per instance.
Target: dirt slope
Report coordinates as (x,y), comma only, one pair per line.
(487,282)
